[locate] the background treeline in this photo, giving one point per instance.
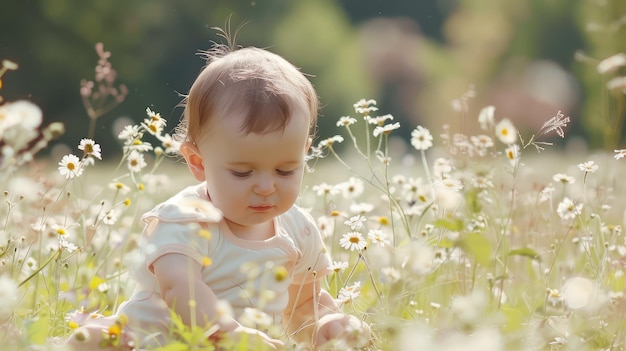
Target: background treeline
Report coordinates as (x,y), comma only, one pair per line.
(529,58)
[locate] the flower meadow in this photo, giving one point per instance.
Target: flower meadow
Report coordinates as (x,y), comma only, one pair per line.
(490,241)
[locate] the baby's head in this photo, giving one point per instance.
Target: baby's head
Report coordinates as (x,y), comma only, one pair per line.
(254,83)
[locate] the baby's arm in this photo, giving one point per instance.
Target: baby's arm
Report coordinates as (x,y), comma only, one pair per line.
(316,328)
(180,280)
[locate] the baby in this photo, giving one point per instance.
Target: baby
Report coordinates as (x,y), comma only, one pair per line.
(236,239)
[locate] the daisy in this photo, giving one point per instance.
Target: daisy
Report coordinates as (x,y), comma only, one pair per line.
(352,241)
(136,161)
(338,266)
(386,129)
(345,121)
(567,209)
(485,117)
(171,146)
(364,106)
(612,63)
(512,153)
(254,318)
(90,148)
(352,188)
(506,132)
(620,154)
(129,134)
(588,166)
(378,237)
(330,141)
(70,166)
(421,139)
(349,293)
(378,120)
(355,222)
(563,178)
(324,189)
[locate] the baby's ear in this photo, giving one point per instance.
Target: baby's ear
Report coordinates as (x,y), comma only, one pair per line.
(194,160)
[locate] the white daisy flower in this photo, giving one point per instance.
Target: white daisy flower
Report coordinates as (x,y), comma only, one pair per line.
(136,161)
(485,117)
(70,166)
(421,139)
(506,132)
(567,209)
(352,241)
(588,166)
(90,148)
(349,293)
(345,121)
(563,178)
(386,129)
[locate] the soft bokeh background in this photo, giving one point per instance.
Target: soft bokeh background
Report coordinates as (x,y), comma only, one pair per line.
(529,58)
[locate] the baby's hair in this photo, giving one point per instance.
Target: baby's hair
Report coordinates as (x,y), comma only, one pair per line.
(251,82)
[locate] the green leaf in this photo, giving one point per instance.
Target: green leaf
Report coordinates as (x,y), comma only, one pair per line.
(530,253)
(477,246)
(454,225)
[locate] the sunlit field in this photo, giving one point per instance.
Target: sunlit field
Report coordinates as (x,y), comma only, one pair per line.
(493,240)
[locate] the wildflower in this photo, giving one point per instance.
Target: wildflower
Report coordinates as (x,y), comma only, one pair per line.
(111,216)
(280,273)
(506,132)
(129,134)
(136,161)
(588,166)
(361,208)
(206,261)
(546,193)
(352,188)
(620,154)
(346,121)
(421,139)
(355,222)
(567,209)
(386,129)
(9,65)
(338,266)
(9,295)
(469,308)
(66,245)
(90,148)
(554,297)
(386,160)
(365,106)
(512,153)
(326,226)
(254,318)
(563,178)
(349,293)
(617,83)
(612,63)
(352,241)
(482,143)
(378,237)
(119,186)
(418,258)
(70,166)
(171,146)
(330,141)
(449,183)
(138,145)
(324,189)
(485,117)
(378,120)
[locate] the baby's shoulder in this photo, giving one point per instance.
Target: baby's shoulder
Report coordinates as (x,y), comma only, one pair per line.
(189,205)
(298,221)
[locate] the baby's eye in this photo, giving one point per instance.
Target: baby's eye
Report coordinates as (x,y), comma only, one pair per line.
(241,174)
(285,173)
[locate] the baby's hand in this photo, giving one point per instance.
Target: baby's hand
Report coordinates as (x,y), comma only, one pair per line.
(255,336)
(340,326)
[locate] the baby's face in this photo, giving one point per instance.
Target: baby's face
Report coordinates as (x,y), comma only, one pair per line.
(255,177)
